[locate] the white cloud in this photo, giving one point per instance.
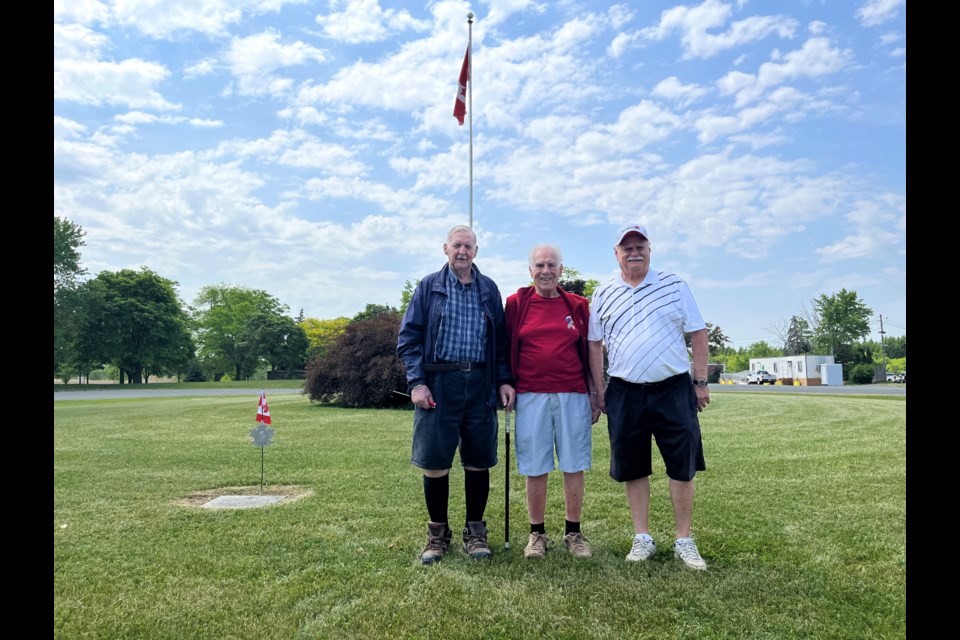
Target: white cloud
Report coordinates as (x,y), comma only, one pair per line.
(877,12)
(365,21)
(683,94)
(163,19)
(73,41)
(80,11)
(80,75)
(621,43)
(65,128)
(693,25)
(253,60)
(815,58)
(199,69)
(129,83)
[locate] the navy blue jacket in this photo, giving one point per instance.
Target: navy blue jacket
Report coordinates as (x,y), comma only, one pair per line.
(417,341)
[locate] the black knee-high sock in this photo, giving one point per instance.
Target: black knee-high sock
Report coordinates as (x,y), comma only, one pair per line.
(476,484)
(437,493)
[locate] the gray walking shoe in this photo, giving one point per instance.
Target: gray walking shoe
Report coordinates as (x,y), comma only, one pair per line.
(438,541)
(475,540)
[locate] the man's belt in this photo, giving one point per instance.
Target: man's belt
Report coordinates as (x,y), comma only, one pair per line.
(650,386)
(453,366)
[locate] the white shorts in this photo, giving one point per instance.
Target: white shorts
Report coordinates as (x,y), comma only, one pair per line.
(548,419)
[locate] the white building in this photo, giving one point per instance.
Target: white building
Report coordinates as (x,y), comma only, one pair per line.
(803,369)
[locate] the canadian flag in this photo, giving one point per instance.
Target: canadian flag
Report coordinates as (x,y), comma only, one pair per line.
(263,411)
(460,106)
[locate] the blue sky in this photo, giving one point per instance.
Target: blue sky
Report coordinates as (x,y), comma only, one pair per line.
(309,149)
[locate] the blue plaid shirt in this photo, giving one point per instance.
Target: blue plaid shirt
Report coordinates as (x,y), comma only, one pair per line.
(463,331)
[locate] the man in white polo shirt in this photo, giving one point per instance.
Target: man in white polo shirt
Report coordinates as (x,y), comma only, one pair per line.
(641,316)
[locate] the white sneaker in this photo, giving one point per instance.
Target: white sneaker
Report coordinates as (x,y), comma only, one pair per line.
(643,549)
(686,550)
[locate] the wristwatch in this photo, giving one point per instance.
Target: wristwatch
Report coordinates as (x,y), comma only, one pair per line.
(700,382)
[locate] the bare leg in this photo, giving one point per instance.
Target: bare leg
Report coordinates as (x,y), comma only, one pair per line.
(681,495)
(638,497)
(573,494)
(537,498)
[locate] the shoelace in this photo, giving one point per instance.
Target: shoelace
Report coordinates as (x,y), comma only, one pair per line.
(439,543)
(578,542)
(688,550)
(641,544)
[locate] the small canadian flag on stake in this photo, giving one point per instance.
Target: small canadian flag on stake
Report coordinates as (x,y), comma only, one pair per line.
(263,411)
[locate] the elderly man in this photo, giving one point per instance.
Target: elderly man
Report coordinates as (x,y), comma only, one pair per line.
(454,346)
(641,317)
(551,366)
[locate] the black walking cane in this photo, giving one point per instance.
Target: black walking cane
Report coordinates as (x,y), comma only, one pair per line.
(506,491)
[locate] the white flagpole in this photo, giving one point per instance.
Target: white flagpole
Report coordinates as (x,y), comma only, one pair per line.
(470,102)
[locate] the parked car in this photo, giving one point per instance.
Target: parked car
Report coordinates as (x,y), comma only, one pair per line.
(761,377)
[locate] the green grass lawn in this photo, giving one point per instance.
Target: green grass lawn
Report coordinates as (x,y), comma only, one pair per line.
(801,516)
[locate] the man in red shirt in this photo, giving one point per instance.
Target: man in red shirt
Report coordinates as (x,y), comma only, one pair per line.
(556,405)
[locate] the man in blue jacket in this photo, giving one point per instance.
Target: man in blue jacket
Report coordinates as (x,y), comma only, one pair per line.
(454,346)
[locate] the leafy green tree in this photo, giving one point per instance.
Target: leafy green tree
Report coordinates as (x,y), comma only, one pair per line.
(896,365)
(798,337)
(842,321)
(361,369)
(279,340)
(322,333)
(735,361)
(372,310)
(895,347)
(407,295)
(861,374)
(717,340)
(227,344)
(133,320)
(67,240)
(573,281)
(762,350)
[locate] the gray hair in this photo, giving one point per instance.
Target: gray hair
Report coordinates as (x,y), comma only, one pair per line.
(545,245)
(459,228)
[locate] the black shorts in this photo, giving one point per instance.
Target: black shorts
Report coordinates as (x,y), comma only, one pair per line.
(667,410)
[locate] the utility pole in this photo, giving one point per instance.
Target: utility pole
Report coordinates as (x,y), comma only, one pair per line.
(883,352)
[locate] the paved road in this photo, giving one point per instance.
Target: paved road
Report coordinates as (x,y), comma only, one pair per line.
(866,389)
(112,394)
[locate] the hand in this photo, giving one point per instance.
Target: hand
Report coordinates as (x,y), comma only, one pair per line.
(597,402)
(508,396)
(703,398)
(422,397)
(594,414)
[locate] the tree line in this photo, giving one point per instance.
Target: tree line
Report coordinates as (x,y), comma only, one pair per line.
(133,323)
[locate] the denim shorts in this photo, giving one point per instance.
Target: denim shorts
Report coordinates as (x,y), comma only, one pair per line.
(461,419)
(548,420)
(665,410)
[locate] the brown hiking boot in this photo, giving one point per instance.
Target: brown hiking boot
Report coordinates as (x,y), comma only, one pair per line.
(438,541)
(536,545)
(577,545)
(475,540)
